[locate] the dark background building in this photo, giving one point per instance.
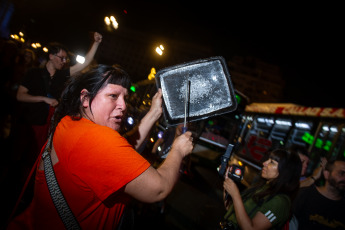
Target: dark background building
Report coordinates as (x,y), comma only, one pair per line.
(276,53)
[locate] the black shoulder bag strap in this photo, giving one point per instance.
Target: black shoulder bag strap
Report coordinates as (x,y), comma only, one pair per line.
(59,201)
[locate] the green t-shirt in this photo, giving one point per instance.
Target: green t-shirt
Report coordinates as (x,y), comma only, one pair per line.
(276,209)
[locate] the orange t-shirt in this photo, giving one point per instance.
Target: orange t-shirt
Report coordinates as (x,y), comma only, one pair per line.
(94,163)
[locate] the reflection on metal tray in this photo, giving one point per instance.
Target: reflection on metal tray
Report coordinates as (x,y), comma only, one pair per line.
(210,93)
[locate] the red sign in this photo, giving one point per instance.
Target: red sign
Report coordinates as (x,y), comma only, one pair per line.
(292,109)
(255,148)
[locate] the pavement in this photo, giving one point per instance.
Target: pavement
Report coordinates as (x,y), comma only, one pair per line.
(196,201)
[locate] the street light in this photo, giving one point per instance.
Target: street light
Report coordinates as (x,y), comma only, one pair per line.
(111,21)
(159,49)
(152,74)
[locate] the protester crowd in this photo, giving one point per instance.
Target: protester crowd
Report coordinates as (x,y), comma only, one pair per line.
(99,168)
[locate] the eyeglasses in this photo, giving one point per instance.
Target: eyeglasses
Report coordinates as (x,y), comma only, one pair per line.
(63,59)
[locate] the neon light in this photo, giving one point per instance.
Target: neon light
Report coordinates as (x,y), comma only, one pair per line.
(308,138)
(238,98)
(327,146)
(318,143)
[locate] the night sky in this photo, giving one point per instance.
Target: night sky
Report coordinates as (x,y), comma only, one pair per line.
(304,40)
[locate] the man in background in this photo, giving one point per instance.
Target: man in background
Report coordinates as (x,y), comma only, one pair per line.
(323,207)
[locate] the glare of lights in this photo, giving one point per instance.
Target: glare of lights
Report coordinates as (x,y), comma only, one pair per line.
(114,22)
(22,40)
(240,163)
(318,143)
(130,120)
(45,49)
(107,21)
(133,88)
(159,51)
(159,148)
(160,134)
(265,120)
(111,20)
(115,25)
(80,59)
(325,128)
(238,98)
(152,140)
(302,125)
(281,122)
(334,129)
(161,47)
(152,74)
(327,145)
(21,34)
(261,120)
(36,45)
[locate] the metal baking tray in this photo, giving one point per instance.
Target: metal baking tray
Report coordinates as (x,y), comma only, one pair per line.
(210,90)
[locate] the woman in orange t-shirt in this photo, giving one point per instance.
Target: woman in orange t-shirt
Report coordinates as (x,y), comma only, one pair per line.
(97,169)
